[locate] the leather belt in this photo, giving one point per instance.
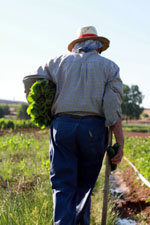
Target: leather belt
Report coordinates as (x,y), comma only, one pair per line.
(78,116)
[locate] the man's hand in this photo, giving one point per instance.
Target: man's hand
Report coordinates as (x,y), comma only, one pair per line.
(117,158)
(117,130)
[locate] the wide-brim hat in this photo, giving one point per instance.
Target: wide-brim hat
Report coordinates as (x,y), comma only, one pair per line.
(89,33)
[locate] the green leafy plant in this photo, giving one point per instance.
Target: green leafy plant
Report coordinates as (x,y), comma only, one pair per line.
(137,150)
(41,97)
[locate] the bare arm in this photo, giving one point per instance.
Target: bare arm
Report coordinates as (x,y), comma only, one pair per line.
(118,133)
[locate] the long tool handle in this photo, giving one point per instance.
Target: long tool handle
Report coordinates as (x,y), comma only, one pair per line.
(106,185)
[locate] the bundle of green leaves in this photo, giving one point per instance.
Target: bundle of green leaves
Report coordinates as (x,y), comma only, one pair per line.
(40,99)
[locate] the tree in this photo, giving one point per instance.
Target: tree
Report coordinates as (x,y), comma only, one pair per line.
(22,111)
(1,112)
(131,102)
(4,110)
(145,115)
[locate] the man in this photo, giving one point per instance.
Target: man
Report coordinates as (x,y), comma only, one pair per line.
(87,101)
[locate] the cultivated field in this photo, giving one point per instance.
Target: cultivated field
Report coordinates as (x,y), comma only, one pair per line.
(26,195)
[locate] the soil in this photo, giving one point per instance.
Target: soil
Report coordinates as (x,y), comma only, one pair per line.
(34,131)
(135,194)
(136,134)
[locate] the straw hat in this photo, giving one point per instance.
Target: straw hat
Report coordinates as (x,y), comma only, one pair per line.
(87,33)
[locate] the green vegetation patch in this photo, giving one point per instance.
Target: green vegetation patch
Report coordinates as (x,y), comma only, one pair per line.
(97,202)
(26,195)
(137,150)
(136,127)
(16,124)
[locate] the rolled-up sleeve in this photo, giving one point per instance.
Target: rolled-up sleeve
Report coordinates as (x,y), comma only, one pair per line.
(113,96)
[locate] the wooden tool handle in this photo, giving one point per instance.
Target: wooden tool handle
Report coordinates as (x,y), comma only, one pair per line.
(106,185)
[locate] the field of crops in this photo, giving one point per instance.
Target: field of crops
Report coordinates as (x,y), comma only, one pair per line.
(15,124)
(136,127)
(19,124)
(25,166)
(137,150)
(26,196)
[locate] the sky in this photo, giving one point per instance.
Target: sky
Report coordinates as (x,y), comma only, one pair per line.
(34,31)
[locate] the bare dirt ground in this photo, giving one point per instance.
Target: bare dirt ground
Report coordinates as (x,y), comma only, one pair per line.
(137,195)
(33,131)
(136,200)
(136,134)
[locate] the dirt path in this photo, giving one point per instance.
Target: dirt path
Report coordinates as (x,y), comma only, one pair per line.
(34,130)
(136,134)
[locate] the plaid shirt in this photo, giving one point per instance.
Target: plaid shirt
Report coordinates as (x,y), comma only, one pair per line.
(87,84)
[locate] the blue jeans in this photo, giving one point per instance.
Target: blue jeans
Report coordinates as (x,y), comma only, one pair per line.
(77,148)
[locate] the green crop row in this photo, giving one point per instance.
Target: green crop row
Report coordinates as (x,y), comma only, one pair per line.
(137,150)
(16,124)
(26,197)
(136,127)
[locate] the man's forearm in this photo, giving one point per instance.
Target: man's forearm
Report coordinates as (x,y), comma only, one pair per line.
(118,133)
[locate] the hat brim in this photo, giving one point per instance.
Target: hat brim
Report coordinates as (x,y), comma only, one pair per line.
(103,40)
